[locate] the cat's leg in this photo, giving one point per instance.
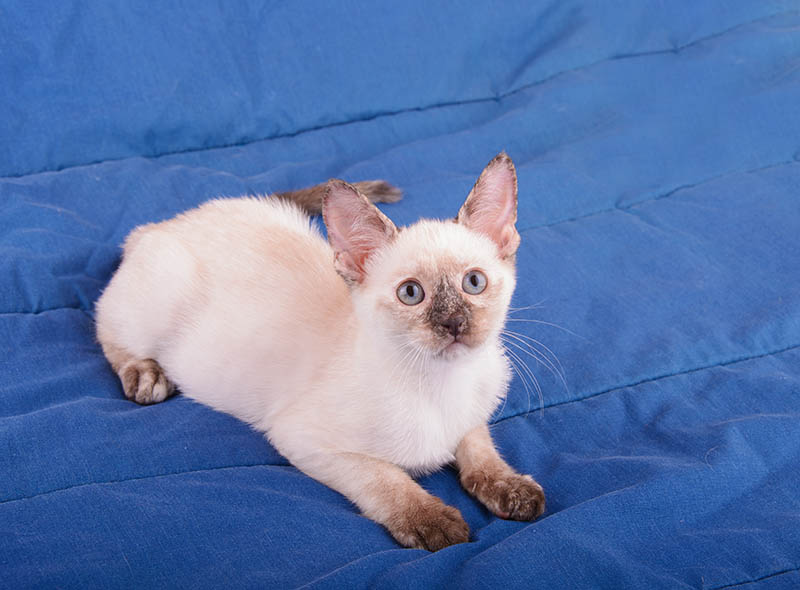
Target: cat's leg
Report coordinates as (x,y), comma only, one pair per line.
(491,480)
(143,380)
(133,314)
(387,494)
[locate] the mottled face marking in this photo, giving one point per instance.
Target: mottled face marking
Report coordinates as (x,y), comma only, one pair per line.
(436,288)
(448,314)
(457,303)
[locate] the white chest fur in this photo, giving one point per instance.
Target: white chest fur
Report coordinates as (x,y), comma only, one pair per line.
(419,419)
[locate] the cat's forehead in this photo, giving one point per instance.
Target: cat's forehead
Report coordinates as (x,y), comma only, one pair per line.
(437,247)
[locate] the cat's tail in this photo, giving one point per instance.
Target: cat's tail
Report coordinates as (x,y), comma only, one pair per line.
(310,199)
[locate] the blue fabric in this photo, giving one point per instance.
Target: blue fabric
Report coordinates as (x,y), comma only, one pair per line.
(658,152)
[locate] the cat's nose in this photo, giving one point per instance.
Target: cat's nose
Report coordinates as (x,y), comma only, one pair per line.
(454,324)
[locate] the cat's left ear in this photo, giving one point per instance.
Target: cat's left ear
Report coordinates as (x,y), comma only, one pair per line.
(356,228)
(491,207)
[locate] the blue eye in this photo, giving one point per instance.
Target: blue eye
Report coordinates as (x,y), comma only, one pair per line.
(410,293)
(474,282)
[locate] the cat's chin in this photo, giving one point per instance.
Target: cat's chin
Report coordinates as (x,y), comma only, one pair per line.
(453,350)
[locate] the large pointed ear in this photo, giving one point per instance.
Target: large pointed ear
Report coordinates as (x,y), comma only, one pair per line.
(356,228)
(491,207)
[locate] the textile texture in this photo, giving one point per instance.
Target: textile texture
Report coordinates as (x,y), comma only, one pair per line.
(657,146)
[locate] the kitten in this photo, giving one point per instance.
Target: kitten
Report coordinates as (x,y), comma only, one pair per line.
(365,361)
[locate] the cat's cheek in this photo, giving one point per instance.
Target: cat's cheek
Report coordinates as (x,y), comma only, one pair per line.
(484,323)
(409,322)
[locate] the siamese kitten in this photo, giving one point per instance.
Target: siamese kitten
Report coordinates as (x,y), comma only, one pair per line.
(365,360)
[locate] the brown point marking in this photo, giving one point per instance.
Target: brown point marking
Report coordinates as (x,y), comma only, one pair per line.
(311,198)
(447,302)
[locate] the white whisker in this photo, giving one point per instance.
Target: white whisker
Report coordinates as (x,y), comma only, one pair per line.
(417,352)
(540,357)
(524,366)
(527,307)
(552,325)
(523,379)
(411,348)
(533,343)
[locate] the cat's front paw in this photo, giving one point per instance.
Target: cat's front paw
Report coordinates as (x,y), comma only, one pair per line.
(509,495)
(430,525)
(144,382)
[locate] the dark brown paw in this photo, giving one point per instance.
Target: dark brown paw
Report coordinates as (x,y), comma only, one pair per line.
(430,525)
(508,495)
(144,382)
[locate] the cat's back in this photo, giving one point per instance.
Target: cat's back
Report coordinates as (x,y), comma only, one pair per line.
(245,223)
(228,264)
(228,216)
(237,242)
(243,282)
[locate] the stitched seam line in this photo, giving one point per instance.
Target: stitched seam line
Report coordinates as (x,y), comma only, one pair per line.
(669,193)
(42,311)
(141,478)
(520,415)
(434,106)
(665,195)
(780,573)
(650,380)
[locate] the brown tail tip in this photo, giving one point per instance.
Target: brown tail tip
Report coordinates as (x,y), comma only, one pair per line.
(310,199)
(379,191)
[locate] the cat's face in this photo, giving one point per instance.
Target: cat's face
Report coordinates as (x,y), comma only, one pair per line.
(436,287)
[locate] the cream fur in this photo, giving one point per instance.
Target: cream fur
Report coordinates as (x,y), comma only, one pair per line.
(240,303)
(249,317)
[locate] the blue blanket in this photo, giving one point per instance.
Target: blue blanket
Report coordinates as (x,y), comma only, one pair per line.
(658,152)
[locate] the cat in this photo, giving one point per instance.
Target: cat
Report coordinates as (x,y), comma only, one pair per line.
(367,359)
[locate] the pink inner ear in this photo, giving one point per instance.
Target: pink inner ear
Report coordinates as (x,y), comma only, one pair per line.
(355,228)
(491,206)
(341,216)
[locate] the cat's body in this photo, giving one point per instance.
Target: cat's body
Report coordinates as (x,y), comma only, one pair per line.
(242,304)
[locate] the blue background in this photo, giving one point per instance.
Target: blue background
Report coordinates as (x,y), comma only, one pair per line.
(658,152)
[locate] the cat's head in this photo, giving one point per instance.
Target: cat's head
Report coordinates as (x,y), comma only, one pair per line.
(442,287)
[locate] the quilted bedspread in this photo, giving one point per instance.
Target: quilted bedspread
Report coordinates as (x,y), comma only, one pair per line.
(658,151)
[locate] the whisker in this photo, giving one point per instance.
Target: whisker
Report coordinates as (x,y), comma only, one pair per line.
(522,379)
(552,325)
(422,370)
(530,374)
(410,350)
(527,307)
(551,364)
(554,373)
(534,381)
(540,357)
(505,397)
(527,370)
(524,382)
(417,352)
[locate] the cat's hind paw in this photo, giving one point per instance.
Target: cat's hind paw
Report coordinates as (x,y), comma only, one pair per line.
(144,382)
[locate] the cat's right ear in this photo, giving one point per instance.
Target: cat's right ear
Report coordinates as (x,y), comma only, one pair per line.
(356,228)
